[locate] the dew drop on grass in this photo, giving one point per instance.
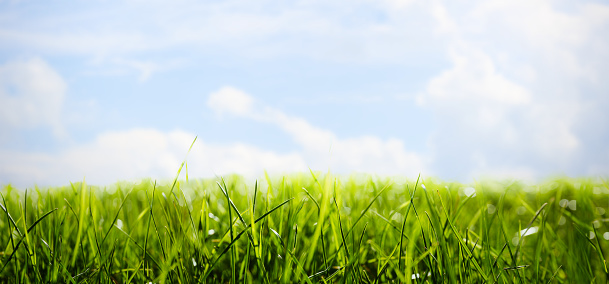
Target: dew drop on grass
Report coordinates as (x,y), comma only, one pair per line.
(563,202)
(194,263)
(521,210)
(523,233)
(214,217)
(573,204)
(600,211)
(418,276)
(469,191)
(606,235)
(562,220)
(490,208)
(396,217)
(596,223)
(211,232)
(592,235)
(347,210)
(530,231)
(119,223)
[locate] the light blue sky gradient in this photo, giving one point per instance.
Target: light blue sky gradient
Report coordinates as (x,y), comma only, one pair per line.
(117,90)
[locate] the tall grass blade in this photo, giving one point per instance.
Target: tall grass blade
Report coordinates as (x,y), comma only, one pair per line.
(233,240)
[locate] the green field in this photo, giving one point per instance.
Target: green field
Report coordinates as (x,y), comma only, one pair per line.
(307,228)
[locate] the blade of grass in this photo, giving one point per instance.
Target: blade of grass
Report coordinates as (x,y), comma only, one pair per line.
(81,227)
(364,211)
(230,245)
(405,218)
(323,211)
(175,180)
(460,239)
(23,237)
(528,227)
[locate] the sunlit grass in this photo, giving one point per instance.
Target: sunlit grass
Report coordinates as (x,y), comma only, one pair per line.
(311,228)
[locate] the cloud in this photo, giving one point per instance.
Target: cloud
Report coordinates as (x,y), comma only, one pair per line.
(144,68)
(514,87)
(408,33)
(321,148)
(511,101)
(474,77)
(230,100)
(352,31)
(564,44)
(246,160)
(141,153)
(31,95)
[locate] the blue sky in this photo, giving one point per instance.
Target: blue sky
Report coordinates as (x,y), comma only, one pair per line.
(117,90)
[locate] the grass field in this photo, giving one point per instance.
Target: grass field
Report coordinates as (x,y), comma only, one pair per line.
(307,228)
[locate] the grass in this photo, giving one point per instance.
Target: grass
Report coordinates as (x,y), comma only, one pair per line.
(307,228)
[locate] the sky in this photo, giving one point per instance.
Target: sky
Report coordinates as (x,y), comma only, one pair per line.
(108,90)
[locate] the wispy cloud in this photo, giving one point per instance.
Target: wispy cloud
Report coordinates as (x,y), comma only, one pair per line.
(31,95)
(320,147)
(141,153)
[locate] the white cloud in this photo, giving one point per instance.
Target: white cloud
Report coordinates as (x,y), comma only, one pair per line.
(353,31)
(245,160)
(321,147)
(551,127)
(31,95)
(444,23)
(510,102)
(565,40)
(474,77)
(543,23)
(144,68)
(231,100)
(141,153)
(473,95)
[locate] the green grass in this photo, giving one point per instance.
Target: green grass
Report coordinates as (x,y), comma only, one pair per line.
(307,228)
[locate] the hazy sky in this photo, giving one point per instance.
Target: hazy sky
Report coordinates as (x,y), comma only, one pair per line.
(114,90)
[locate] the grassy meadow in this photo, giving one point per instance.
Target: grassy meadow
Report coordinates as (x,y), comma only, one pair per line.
(307,228)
